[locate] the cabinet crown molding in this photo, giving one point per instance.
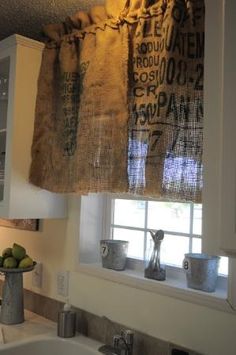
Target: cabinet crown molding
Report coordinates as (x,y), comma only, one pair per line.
(20,40)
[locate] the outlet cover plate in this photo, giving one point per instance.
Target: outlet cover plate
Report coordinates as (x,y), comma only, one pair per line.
(37,275)
(63,283)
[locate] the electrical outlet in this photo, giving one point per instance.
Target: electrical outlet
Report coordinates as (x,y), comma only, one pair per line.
(62,283)
(37,275)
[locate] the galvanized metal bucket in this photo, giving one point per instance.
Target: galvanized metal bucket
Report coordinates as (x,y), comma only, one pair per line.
(201,271)
(114,253)
(12,309)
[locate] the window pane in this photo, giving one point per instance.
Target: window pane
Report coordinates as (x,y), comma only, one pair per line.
(197,245)
(197,219)
(129,213)
(135,239)
(173,249)
(223,267)
(170,216)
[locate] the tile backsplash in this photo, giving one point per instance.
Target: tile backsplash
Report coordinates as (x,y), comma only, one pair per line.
(101,328)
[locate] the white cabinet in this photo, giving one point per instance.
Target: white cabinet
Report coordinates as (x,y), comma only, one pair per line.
(20,60)
(219,196)
(228,153)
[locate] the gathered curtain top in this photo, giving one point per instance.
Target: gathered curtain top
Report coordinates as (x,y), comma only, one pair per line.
(99,17)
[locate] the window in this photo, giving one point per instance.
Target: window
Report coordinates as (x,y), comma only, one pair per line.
(131,220)
(218,231)
(103,216)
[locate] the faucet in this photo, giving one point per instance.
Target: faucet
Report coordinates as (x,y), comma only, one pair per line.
(122,344)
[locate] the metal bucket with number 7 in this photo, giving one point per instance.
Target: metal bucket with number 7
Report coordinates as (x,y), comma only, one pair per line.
(201,271)
(114,253)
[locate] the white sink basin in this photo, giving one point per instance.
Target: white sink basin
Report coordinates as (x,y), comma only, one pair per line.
(51,346)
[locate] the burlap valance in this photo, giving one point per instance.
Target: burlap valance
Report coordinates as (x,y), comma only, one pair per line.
(120,101)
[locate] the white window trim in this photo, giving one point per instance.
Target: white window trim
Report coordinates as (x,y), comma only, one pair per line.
(218,227)
(231,296)
(109,211)
(89,262)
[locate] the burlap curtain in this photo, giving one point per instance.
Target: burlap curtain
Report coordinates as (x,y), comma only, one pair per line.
(120,101)
(166,98)
(80,136)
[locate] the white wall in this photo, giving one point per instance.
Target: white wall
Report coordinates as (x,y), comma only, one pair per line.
(203,329)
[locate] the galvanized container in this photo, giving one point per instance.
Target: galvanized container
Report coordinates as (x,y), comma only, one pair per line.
(12,309)
(114,254)
(66,324)
(201,271)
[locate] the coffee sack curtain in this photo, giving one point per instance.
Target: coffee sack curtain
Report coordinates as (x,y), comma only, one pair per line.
(120,101)
(166,99)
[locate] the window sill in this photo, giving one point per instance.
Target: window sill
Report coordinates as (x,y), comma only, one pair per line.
(171,287)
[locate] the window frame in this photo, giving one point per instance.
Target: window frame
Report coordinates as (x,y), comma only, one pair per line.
(91,230)
(137,263)
(109,212)
(214,224)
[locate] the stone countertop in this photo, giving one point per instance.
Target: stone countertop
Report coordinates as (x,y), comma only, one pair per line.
(37,327)
(34,325)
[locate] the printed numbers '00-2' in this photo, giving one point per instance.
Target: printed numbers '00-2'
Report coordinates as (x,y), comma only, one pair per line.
(171,70)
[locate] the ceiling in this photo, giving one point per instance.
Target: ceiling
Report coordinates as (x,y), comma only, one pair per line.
(26,17)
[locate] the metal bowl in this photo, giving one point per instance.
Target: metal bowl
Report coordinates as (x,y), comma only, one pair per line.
(16,270)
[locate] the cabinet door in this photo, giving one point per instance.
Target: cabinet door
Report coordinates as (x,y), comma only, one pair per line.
(228,153)
(4,82)
(219,193)
(20,61)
